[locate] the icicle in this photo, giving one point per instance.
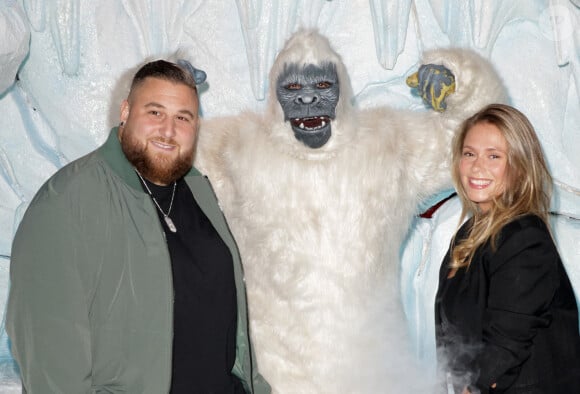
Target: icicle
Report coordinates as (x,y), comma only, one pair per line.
(258,37)
(439,12)
(36,13)
(454,20)
(561,21)
(137,11)
(489,18)
(390,22)
(557,22)
(64,27)
(158,24)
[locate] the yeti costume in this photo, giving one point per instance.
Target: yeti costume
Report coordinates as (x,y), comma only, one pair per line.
(319,230)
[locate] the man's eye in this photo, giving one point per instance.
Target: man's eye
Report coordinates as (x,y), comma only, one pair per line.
(183,118)
(154,113)
(323,85)
(293,86)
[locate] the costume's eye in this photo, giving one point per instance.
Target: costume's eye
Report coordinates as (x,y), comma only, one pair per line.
(323,85)
(294,86)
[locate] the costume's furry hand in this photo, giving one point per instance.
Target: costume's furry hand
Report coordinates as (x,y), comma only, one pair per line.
(434,83)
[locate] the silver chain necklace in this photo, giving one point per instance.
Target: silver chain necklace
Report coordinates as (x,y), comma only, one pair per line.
(166,217)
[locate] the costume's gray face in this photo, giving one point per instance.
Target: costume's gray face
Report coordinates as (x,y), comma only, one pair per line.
(308,96)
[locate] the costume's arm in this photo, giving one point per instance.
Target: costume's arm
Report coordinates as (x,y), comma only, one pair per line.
(523,277)
(455,83)
(218,153)
(47,316)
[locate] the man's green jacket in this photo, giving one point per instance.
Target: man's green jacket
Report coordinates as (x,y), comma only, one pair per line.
(90,308)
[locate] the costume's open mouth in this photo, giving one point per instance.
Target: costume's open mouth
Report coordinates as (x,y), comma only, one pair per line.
(313,123)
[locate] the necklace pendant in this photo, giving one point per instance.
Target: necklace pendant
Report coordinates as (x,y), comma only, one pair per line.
(170,224)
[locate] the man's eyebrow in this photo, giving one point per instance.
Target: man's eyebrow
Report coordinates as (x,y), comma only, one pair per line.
(154,104)
(181,111)
(187,112)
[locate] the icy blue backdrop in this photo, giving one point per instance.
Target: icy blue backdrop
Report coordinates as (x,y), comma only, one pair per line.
(64,67)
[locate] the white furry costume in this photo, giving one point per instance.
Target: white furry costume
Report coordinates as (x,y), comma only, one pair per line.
(320,230)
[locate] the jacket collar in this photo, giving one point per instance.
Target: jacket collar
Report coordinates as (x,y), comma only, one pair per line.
(112,153)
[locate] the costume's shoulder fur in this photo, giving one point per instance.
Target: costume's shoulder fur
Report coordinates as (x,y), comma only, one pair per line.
(223,134)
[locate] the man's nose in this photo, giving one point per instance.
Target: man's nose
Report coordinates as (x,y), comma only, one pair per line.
(167,128)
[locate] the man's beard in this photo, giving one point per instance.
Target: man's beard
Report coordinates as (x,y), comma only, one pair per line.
(158,169)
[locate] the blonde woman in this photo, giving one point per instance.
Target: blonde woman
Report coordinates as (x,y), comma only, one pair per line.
(506,317)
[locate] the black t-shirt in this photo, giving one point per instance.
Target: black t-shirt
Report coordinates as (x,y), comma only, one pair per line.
(205,308)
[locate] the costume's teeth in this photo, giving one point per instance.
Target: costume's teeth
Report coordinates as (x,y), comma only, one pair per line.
(301,125)
(323,123)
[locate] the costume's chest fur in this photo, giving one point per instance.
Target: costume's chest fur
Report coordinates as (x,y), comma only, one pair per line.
(319,242)
(342,211)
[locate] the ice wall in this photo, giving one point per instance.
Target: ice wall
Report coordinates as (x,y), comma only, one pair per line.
(64,67)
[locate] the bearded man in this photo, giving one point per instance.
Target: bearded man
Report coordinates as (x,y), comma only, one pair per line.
(124,275)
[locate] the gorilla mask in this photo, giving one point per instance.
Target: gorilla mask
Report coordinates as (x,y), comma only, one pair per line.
(309,95)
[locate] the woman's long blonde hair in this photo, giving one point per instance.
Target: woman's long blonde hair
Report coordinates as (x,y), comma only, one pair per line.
(528,185)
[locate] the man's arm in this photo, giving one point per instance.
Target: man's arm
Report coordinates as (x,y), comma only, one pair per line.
(47,316)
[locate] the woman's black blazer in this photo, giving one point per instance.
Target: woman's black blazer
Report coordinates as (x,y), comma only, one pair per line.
(511,318)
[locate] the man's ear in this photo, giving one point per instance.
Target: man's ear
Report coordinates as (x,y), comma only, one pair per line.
(124,111)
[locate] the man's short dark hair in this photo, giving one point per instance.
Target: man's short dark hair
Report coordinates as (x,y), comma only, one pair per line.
(165,70)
